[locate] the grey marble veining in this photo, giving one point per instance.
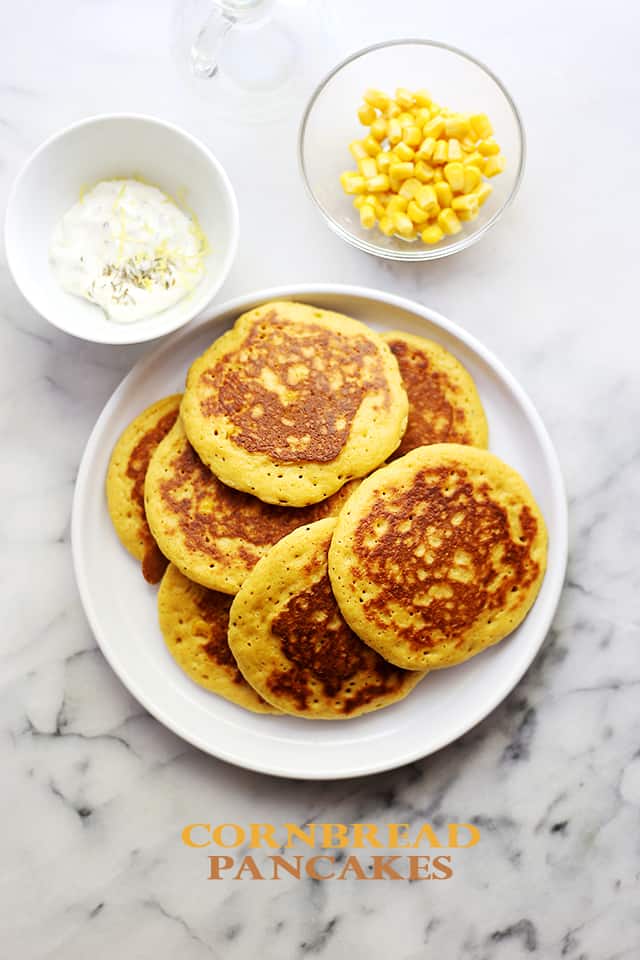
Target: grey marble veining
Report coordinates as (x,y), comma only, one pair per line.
(95,792)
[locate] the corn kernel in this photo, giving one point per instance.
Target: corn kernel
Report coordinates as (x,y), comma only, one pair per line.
(397,204)
(422,115)
(359,200)
(434,128)
(403,224)
(376,98)
(367,216)
(432,234)
(416,213)
(404,119)
(357,150)
(427,199)
(455,150)
(394,131)
(454,175)
(474,159)
(472,178)
(392,110)
(403,152)
(423,171)
(483,192)
(456,126)
(385,225)
(438,175)
(404,98)
(494,165)
(422,98)
(379,128)
(378,184)
(383,161)
(409,188)
(425,151)
(443,193)
(468,203)
(480,125)
(366,114)
(412,135)
(468,144)
(488,148)
(368,167)
(372,146)
(448,221)
(441,152)
(401,171)
(464,215)
(352,182)
(379,206)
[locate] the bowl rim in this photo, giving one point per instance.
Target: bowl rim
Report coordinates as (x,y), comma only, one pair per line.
(153,330)
(427,253)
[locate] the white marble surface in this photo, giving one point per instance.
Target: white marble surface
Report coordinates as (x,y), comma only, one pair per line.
(95,792)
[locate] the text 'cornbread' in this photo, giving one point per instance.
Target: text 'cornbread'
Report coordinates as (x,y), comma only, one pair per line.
(294,647)
(293,402)
(438,555)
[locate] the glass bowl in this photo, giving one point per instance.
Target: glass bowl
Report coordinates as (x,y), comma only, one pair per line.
(456,80)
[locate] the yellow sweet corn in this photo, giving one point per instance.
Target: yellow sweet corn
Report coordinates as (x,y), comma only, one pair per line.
(480,125)
(422,98)
(404,118)
(426,148)
(438,175)
(383,161)
(366,114)
(488,148)
(457,126)
(376,98)
(455,150)
(468,203)
(397,204)
(422,115)
(474,159)
(368,167)
(416,213)
(403,224)
(483,192)
(412,135)
(372,146)
(434,128)
(401,171)
(427,199)
(379,204)
(472,178)
(494,165)
(385,225)
(357,150)
(379,128)
(465,215)
(394,131)
(454,175)
(378,184)
(441,152)
(409,188)
(353,182)
(432,234)
(448,221)
(443,193)
(404,98)
(367,216)
(423,171)
(403,152)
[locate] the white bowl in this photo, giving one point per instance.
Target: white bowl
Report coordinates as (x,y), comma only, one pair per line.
(101,148)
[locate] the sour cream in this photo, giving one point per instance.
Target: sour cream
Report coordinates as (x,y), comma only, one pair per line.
(127,247)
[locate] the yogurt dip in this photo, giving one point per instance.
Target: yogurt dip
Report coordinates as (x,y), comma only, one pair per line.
(127,247)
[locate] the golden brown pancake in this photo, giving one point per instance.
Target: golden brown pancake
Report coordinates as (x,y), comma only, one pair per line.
(293,402)
(438,556)
(125,483)
(215,535)
(444,406)
(294,647)
(194,623)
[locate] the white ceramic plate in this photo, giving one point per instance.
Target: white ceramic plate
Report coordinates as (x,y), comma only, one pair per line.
(121,607)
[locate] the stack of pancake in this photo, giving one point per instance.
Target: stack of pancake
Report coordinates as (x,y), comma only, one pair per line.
(323,516)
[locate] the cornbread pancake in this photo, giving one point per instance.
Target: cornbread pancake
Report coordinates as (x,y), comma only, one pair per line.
(293,646)
(215,535)
(125,483)
(194,623)
(293,402)
(444,406)
(438,555)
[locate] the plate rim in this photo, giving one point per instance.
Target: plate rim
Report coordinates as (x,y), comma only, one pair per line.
(240,304)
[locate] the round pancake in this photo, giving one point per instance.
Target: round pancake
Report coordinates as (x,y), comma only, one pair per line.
(215,535)
(125,483)
(444,406)
(438,556)
(194,623)
(292,645)
(293,402)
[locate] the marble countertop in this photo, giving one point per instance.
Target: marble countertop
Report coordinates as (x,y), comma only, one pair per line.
(95,791)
